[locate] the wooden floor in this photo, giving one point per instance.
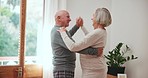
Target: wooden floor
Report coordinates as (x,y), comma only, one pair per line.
(111,76)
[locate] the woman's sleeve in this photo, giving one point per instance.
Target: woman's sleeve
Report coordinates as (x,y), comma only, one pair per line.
(84,30)
(88,40)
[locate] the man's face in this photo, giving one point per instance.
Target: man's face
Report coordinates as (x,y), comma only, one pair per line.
(65,19)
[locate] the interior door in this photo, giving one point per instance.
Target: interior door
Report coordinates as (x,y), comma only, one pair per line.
(12,38)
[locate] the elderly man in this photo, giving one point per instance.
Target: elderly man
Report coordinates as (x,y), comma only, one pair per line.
(64,59)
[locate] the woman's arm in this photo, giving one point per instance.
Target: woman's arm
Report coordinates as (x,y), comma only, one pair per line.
(88,40)
(84,30)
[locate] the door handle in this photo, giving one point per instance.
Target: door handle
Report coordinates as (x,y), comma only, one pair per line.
(19,72)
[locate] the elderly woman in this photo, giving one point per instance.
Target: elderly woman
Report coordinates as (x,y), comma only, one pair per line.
(92,66)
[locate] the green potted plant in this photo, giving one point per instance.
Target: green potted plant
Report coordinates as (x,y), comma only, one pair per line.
(117,58)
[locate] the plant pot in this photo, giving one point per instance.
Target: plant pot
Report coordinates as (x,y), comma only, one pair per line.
(115,70)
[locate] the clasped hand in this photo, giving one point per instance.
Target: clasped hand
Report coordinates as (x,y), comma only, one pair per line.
(79,22)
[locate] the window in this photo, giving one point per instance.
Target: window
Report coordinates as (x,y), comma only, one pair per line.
(9,31)
(34,26)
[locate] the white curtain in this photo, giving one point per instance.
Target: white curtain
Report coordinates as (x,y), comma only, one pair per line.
(44,51)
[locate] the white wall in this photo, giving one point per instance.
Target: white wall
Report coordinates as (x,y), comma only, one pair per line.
(130,25)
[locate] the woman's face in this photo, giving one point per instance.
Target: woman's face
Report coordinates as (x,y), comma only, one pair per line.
(94,21)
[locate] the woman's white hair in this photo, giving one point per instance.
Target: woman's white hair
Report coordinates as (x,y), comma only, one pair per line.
(103,16)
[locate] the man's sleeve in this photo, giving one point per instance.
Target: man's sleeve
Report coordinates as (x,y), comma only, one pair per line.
(89,51)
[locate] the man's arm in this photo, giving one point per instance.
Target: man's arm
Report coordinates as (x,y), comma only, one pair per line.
(92,51)
(73,30)
(89,50)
